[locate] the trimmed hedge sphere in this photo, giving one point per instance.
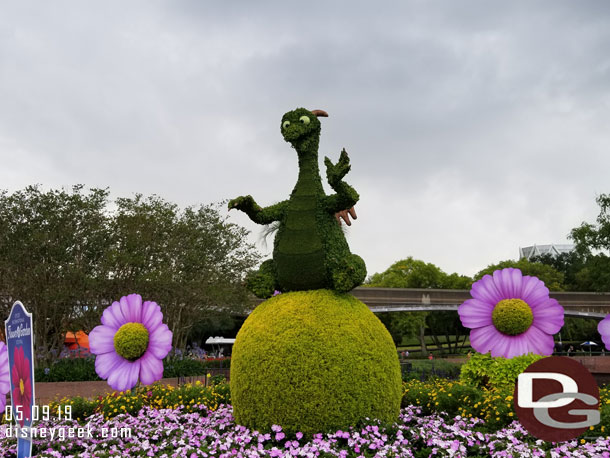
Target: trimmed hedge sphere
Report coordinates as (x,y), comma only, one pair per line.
(314,361)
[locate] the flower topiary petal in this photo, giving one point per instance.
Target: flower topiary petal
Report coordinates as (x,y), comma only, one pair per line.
(534,292)
(539,342)
(485,290)
(107,363)
(117,313)
(508,281)
(125,375)
(151,368)
(131,308)
(160,342)
(113,318)
(135,308)
(475,313)
(151,315)
(548,317)
(483,339)
(604,329)
(101,340)
(5,376)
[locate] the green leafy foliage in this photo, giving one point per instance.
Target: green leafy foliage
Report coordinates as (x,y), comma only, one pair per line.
(483,371)
(313,361)
(553,279)
(414,273)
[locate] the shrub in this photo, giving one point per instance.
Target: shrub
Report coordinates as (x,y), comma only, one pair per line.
(426,370)
(68,370)
(83,369)
(485,371)
(314,361)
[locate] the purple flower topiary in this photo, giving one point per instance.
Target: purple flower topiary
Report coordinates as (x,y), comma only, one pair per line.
(131,343)
(5,379)
(603,327)
(511,315)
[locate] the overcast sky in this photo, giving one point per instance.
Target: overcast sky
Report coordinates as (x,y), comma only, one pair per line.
(473,127)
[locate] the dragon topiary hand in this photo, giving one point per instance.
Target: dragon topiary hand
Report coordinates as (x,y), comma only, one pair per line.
(336,172)
(244,203)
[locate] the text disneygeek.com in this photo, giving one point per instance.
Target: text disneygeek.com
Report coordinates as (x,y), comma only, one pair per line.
(64,432)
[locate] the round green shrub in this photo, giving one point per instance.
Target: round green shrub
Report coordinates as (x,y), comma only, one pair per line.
(314,361)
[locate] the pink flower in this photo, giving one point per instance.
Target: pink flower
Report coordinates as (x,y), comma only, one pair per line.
(22,393)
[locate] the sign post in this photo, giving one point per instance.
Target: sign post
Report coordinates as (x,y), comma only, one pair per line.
(20,343)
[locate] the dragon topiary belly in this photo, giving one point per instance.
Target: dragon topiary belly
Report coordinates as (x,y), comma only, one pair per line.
(299,254)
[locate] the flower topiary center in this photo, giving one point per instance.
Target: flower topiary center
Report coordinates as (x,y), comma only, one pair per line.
(131,341)
(512,316)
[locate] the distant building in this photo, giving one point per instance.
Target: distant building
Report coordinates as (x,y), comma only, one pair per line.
(529,252)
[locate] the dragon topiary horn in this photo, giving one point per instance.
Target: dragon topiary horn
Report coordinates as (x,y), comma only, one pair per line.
(320,113)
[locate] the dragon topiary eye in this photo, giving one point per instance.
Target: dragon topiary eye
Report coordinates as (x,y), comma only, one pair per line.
(285,124)
(304,119)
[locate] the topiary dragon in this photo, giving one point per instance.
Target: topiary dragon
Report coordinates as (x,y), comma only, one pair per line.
(310,250)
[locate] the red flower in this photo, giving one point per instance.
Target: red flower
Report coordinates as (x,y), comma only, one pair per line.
(22,394)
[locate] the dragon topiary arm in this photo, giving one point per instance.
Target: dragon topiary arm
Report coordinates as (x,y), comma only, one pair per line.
(255,212)
(346,196)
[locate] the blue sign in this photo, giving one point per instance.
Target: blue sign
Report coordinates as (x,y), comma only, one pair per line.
(20,343)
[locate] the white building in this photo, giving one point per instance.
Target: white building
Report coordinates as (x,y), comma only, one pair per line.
(529,252)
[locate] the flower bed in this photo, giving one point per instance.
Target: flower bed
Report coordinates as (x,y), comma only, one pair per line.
(494,406)
(194,420)
(201,432)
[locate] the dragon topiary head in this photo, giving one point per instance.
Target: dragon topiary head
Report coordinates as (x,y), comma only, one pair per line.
(301,128)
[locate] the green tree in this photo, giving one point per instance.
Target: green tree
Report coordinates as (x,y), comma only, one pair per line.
(191,262)
(67,256)
(414,273)
(570,264)
(51,250)
(549,275)
(579,330)
(592,244)
(589,238)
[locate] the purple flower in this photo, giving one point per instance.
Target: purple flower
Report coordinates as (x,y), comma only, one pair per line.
(603,328)
(5,379)
(511,315)
(131,343)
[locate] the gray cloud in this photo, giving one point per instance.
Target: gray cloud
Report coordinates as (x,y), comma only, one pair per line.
(474,127)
